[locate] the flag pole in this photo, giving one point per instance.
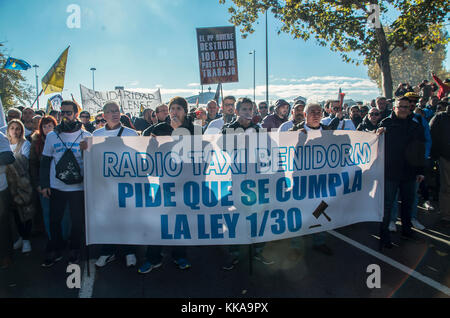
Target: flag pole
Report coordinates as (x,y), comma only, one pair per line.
(37,98)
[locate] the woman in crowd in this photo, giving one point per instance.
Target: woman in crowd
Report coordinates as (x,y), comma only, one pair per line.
(46,125)
(19,184)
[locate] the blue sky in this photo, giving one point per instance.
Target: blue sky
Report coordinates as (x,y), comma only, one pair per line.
(143,45)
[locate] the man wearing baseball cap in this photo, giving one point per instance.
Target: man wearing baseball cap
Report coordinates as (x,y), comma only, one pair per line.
(297,116)
(273,122)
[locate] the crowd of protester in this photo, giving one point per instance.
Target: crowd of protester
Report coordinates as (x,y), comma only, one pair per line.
(38,191)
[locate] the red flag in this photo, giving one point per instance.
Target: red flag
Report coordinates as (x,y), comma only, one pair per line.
(341,97)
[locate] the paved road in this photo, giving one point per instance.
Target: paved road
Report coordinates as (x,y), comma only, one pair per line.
(425,271)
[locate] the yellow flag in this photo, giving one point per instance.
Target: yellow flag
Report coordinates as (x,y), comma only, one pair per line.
(53,81)
(49,107)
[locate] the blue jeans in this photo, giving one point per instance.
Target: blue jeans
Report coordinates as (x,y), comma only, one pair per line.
(66,223)
(407,190)
(394,212)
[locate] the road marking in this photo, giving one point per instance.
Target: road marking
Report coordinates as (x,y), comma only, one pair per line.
(390,261)
(87,283)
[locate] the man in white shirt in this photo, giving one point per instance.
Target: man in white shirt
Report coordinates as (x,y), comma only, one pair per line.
(336,111)
(228,111)
(296,115)
(111,113)
(6,240)
(313,115)
(66,137)
(113,128)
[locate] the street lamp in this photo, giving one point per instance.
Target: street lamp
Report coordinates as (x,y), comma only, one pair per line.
(93,69)
(37,85)
(254,74)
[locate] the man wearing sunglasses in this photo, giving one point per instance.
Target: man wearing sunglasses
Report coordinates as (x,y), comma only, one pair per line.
(228,115)
(85,118)
(336,111)
(370,122)
(162,115)
(263,109)
(404,166)
(66,137)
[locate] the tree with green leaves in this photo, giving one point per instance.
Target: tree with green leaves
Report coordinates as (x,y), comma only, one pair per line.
(347,26)
(412,66)
(13,88)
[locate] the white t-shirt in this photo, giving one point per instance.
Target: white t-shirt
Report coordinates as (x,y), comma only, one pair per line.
(286,126)
(348,123)
(25,151)
(215,127)
(127,132)
(4,146)
(55,148)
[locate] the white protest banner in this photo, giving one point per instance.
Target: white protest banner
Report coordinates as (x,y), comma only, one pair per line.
(130,102)
(188,191)
(93,101)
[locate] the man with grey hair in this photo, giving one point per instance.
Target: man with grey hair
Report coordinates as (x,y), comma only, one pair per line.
(313,115)
(213,111)
(114,128)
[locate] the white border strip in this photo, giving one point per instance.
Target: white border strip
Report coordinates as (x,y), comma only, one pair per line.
(87,282)
(390,261)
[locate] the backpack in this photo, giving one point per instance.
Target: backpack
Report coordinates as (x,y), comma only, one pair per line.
(67,169)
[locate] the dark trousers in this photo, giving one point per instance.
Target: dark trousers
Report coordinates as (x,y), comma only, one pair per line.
(24,228)
(153,254)
(58,202)
(406,190)
(6,238)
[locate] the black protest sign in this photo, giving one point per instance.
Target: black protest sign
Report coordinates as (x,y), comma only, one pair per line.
(217,55)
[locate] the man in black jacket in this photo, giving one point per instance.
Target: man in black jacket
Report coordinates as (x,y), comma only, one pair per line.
(440,135)
(178,110)
(370,122)
(243,122)
(162,114)
(404,165)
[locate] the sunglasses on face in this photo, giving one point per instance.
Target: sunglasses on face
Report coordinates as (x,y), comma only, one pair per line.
(374,114)
(100,121)
(84,116)
(263,107)
(66,112)
(336,109)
